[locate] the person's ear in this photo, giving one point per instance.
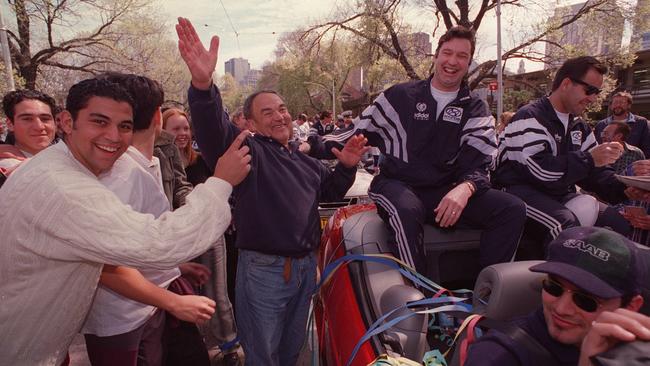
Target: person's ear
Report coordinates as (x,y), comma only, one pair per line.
(565,83)
(67,124)
(636,303)
(157,119)
(10,124)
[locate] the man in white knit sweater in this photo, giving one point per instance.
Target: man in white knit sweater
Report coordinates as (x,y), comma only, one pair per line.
(60,224)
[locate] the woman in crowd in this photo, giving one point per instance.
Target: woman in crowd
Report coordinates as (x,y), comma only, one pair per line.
(220,330)
(176,122)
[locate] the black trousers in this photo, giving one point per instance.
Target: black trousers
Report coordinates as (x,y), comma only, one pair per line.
(550,212)
(405,209)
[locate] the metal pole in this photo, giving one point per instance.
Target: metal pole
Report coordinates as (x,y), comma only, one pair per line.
(6,53)
(333,99)
(499,66)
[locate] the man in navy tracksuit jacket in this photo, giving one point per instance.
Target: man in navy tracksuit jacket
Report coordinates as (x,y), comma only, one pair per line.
(545,151)
(437,151)
(276,209)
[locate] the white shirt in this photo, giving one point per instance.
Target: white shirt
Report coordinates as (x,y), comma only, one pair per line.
(301,132)
(7,163)
(151,166)
(442,98)
(58,224)
(564,118)
(136,182)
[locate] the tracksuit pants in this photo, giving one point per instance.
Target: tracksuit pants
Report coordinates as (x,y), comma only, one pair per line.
(550,212)
(405,209)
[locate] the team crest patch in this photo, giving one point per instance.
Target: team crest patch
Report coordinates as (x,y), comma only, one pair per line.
(452,114)
(420,115)
(576,137)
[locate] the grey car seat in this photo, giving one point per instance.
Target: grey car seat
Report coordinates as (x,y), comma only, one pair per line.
(451,255)
(506,290)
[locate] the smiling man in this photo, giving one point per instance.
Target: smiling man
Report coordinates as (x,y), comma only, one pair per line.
(621,108)
(438,140)
(60,225)
(30,117)
(590,271)
(276,207)
(547,149)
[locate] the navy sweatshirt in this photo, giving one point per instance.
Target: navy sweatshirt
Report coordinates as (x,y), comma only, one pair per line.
(420,148)
(498,349)
(276,206)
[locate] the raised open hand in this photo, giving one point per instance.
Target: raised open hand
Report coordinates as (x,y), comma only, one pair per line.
(200,62)
(352,151)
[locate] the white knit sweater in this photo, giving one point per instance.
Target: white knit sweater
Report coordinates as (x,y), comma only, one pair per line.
(58,224)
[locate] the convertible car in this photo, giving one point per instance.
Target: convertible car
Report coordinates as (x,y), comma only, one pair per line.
(364,289)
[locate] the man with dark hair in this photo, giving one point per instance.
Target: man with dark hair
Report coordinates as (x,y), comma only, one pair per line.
(619,132)
(547,149)
(122,328)
(60,225)
(30,118)
(621,106)
(437,140)
(276,210)
(590,271)
(325,125)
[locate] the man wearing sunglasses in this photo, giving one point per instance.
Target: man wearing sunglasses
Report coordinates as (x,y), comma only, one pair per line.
(590,271)
(547,150)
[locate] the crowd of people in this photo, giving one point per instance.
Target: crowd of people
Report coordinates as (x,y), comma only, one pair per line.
(117,231)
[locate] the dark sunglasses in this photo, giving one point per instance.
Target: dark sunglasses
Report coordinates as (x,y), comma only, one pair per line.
(589,89)
(583,301)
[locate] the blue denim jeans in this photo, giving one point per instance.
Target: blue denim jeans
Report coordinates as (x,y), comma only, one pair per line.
(272,313)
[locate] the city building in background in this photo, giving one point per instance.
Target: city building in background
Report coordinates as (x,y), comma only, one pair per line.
(238,68)
(241,71)
(593,34)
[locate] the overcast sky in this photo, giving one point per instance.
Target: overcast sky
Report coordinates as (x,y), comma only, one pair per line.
(260,22)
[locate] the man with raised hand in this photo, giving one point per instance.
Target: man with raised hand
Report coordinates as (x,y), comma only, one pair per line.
(276,209)
(60,225)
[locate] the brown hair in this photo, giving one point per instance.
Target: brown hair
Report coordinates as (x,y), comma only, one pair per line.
(458,32)
(187,151)
(576,68)
(623,94)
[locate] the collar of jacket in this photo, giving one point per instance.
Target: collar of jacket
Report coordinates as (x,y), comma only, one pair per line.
(463,93)
(550,111)
(631,118)
(164,138)
(292,145)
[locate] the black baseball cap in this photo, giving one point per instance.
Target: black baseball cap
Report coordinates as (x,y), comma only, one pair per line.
(599,261)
